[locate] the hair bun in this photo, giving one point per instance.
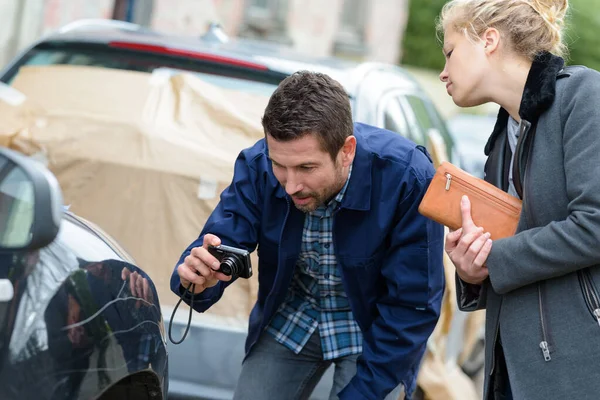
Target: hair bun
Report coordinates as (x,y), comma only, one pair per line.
(553,11)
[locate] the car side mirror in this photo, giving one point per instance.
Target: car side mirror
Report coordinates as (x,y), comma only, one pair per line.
(30,203)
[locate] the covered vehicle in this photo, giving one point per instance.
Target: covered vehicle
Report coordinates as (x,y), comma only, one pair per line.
(144,154)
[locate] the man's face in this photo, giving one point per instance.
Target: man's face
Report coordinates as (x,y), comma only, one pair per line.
(307,172)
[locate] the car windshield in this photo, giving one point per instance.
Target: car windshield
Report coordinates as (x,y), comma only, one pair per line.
(244,81)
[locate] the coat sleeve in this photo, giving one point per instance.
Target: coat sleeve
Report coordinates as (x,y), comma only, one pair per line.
(409,307)
(470,297)
(568,245)
(235,220)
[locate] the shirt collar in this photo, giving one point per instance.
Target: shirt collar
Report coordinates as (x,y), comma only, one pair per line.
(333,203)
(340,195)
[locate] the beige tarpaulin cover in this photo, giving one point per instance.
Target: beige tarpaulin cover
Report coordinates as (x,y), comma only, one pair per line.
(144,156)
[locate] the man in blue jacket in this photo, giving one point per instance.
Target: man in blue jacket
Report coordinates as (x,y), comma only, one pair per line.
(349,272)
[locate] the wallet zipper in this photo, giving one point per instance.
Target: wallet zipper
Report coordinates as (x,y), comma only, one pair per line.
(448,181)
(453,178)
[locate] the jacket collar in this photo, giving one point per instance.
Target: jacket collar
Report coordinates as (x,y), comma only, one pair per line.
(538,95)
(358,192)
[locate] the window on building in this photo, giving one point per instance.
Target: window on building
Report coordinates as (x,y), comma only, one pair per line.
(139,12)
(266,19)
(350,38)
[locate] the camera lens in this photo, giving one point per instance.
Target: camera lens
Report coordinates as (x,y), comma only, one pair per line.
(231,265)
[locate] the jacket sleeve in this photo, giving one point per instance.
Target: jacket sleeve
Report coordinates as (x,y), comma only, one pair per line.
(235,220)
(470,297)
(568,245)
(409,307)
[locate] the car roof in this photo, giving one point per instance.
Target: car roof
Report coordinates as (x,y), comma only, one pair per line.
(275,57)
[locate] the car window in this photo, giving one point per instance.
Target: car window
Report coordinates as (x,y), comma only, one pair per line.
(438,120)
(16,206)
(51,57)
(420,110)
(418,131)
(394,118)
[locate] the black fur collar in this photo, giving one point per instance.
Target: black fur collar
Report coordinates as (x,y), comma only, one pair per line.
(538,94)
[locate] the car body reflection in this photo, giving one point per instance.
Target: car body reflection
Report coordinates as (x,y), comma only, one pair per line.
(83,317)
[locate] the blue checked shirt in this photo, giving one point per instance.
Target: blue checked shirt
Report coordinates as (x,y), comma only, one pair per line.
(316,297)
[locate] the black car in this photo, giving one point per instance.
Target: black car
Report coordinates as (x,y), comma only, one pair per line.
(78,318)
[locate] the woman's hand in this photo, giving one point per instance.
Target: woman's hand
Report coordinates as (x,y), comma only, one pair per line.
(469,247)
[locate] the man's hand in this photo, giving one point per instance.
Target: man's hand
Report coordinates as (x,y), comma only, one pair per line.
(469,248)
(201,268)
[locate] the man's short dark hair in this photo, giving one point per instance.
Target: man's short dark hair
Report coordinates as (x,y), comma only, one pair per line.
(310,102)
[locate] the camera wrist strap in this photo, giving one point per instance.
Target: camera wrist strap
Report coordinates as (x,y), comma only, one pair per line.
(187,290)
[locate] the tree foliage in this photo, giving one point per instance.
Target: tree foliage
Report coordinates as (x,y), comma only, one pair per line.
(581,36)
(421,47)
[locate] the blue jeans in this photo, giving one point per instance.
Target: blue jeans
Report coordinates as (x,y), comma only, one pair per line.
(272,371)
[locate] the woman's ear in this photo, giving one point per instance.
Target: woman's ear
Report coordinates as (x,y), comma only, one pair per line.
(491,40)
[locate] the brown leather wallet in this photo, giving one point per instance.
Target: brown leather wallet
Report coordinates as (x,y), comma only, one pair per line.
(491,208)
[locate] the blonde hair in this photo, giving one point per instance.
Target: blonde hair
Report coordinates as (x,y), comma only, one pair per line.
(531,26)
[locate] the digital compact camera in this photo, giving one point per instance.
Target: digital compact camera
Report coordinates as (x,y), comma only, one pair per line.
(234,262)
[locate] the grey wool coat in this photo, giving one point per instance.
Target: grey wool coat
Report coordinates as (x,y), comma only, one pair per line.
(542,296)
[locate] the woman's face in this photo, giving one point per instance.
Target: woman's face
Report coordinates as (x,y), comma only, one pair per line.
(466,68)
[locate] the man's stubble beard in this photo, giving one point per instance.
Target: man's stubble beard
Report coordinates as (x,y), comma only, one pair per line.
(325,197)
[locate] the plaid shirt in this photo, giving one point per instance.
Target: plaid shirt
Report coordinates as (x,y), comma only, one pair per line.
(316,297)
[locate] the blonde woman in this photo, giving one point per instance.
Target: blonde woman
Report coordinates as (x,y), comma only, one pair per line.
(539,287)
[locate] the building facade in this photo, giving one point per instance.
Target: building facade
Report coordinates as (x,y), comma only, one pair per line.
(365,30)
(356,29)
